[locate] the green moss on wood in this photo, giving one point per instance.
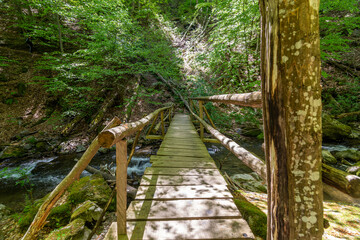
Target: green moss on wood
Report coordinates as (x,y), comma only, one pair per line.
(256,219)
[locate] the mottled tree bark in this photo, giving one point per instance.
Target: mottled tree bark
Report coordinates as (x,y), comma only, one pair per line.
(290,69)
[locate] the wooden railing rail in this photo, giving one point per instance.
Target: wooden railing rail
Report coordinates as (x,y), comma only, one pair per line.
(117,136)
(347,183)
(111,136)
(44,210)
(252,99)
(121,172)
(245,156)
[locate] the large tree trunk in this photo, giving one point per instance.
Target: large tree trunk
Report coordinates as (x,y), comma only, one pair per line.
(290,69)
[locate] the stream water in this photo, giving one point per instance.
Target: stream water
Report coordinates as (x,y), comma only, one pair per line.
(44,174)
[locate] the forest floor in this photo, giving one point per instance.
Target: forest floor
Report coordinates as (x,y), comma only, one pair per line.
(344,219)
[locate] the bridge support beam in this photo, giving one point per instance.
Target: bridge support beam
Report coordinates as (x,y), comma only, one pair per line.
(290,69)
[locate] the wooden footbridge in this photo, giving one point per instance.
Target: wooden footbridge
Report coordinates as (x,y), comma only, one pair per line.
(183,195)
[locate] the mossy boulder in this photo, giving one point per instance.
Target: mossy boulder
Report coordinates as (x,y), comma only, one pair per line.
(42,147)
(88,211)
(333,129)
(76,230)
(355,170)
(13,151)
(4,211)
(60,215)
(256,219)
(251,182)
(327,157)
(349,154)
(92,188)
(250,130)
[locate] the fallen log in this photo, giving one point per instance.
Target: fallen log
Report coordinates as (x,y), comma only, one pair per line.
(252,99)
(100,114)
(343,181)
(338,195)
(345,68)
(70,126)
(44,210)
(343,115)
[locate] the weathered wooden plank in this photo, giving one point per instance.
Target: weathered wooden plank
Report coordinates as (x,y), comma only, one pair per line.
(187,137)
(154,158)
(190,229)
(183,164)
(163,180)
(183,142)
(182,209)
(192,153)
(181,171)
(154,137)
(176,147)
(182,192)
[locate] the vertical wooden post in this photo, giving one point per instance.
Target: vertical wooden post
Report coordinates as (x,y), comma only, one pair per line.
(153,124)
(121,182)
(191,108)
(170,115)
(208,116)
(201,108)
(162,124)
(134,146)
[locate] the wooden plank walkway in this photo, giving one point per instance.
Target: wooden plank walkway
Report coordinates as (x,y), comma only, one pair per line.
(183,195)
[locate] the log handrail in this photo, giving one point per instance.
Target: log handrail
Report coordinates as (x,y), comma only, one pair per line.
(245,156)
(252,99)
(347,183)
(44,210)
(111,136)
(121,160)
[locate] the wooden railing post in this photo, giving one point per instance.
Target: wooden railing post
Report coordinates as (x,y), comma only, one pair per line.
(201,108)
(191,107)
(134,146)
(170,113)
(162,123)
(208,116)
(153,124)
(121,182)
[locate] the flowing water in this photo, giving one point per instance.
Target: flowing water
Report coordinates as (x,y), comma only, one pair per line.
(44,174)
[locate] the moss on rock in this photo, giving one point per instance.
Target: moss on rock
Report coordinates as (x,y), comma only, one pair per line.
(92,188)
(256,219)
(75,230)
(60,215)
(349,154)
(13,151)
(88,211)
(333,129)
(327,157)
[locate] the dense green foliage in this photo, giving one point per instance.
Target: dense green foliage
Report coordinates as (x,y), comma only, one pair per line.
(95,47)
(100,47)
